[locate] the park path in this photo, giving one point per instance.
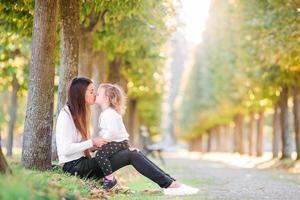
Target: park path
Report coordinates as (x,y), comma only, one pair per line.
(219,180)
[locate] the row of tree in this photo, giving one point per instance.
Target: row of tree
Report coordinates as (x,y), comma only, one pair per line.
(114,41)
(249,63)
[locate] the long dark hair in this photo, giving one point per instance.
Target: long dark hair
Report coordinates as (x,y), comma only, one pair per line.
(80,111)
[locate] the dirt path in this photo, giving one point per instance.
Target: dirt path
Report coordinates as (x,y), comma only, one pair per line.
(222,181)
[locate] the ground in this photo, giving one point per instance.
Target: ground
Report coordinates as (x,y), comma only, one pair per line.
(218,176)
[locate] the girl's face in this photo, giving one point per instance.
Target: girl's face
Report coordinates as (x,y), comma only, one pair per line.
(90,96)
(101,98)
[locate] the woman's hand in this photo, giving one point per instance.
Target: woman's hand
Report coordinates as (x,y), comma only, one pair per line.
(133,149)
(98,141)
(93,149)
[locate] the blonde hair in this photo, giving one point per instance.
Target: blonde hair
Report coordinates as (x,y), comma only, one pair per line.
(116,96)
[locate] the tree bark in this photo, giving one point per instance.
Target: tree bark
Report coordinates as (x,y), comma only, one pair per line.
(69,50)
(226,138)
(69,46)
(204,143)
(114,73)
(4,167)
(276,131)
(239,132)
(296,110)
(209,141)
(285,127)
(132,118)
(196,144)
(39,114)
(218,138)
(13,115)
(260,133)
(251,135)
(87,29)
(85,54)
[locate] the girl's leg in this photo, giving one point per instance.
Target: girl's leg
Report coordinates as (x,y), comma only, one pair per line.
(104,153)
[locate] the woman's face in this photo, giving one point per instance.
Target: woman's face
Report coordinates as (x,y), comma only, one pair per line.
(90,96)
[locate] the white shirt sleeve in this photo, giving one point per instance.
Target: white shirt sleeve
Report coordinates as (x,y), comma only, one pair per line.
(66,136)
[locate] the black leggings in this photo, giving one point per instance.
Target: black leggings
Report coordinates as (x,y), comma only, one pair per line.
(88,167)
(106,151)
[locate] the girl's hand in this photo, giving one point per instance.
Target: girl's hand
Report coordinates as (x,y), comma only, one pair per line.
(98,141)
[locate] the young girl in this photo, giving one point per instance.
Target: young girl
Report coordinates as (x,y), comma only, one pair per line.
(111,99)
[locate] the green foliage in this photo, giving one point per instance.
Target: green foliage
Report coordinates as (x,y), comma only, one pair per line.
(134,30)
(17,16)
(137,32)
(250,52)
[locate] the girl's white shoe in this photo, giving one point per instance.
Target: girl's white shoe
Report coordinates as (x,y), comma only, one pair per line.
(181,190)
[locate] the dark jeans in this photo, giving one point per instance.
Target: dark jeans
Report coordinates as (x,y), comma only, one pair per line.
(88,167)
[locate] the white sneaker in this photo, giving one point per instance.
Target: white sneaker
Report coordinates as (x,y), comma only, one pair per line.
(182,190)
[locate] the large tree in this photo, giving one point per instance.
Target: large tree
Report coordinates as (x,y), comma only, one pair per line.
(36,152)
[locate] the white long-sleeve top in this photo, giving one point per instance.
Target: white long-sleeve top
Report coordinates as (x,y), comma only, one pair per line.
(68,138)
(111,126)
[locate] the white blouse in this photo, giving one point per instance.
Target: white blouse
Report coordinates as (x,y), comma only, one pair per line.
(68,138)
(111,126)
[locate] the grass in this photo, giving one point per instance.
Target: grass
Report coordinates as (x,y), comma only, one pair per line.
(287,177)
(32,184)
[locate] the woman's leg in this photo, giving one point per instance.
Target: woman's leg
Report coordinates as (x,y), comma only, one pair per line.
(142,165)
(89,167)
(154,165)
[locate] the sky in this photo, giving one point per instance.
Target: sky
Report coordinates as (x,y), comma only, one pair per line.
(193,15)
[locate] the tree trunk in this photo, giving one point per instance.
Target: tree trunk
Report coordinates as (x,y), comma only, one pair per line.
(260,133)
(99,72)
(69,46)
(209,141)
(251,133)
(276,131)
(212,140)
(69,50)
(226,138)
(4,168)
(39,115)
(85,54)
(296,110)
(114,73)
(239,143)
(218,138)
(204,143)
(13,115)
(285,128)
(132,118)
(196,144)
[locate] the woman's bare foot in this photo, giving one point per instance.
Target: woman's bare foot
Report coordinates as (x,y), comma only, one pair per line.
(174,184)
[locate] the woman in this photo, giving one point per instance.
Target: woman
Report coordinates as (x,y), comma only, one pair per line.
(74,144)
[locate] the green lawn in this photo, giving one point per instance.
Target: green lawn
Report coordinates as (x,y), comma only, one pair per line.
(30,184)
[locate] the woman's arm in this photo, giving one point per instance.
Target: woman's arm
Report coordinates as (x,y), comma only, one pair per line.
(66,135)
